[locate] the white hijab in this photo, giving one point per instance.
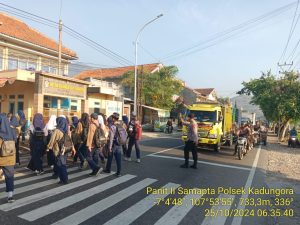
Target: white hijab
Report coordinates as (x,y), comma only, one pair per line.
(51,125)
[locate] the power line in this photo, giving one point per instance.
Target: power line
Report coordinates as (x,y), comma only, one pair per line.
(149,53)
(293,26)
(221,35)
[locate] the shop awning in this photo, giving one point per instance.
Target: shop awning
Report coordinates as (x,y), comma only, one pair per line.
(161,112)
(3,81)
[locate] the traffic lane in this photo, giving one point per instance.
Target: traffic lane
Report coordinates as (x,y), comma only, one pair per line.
(225,156)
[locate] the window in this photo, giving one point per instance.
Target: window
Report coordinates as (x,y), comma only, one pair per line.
(12,97)
(22,64)
(12,63)
(45,68)
(74,101)
(12,108)
(97,103)
(21,106)
(74,108)
(31,65)
(1,61)
(20,96)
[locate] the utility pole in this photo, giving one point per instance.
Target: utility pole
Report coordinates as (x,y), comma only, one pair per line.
(59,46)
(284,65)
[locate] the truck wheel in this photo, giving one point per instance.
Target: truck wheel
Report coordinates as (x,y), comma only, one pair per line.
(217,147)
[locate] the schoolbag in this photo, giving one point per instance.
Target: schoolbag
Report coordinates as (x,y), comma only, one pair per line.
(99,138)
(65,144)
(121,134)
(84,134)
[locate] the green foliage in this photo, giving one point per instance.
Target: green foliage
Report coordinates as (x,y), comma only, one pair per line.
(278,98)
(157,88)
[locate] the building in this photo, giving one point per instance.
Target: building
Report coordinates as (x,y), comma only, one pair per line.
(29,79)
(116,74)
(209,93)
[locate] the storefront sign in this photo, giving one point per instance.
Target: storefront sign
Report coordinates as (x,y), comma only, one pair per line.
(63,88)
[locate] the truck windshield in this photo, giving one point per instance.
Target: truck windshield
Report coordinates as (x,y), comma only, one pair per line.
(204,116)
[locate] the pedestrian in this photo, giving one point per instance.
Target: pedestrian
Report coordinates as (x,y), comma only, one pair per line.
(191,142)
(22,122)
(93,150)
(114,148)
(135,135)
(14,125)
(74,136)
(105,131)
(59,142)
(37,144)
(80,139)
(7,163)
(125,124)
(48,130)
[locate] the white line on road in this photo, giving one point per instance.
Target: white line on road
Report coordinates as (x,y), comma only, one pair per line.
(104,204)
(35,177)
(178,212)
(201,162)
(45,194)
(219,219)
(138,209)
(238,220)
(63,203)
(165,150)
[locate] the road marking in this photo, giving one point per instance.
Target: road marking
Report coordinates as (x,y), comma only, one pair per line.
(21,174)
(35,177)
(104,204)
(201,162)
(45,194)
(138,209)
(238,220)
(178,212)
(219,219)
(63,203)
(151,139)
(165,150)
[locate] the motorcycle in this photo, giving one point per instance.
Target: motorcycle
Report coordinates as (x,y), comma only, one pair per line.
(168,129)
(293,141)
(263,137)
(255,138)
(242,147)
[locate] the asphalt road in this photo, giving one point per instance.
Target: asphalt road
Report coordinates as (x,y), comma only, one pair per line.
(109,200)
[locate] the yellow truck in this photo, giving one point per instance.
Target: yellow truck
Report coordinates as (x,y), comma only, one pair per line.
(214,124)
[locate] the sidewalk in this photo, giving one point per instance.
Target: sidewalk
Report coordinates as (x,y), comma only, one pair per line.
(283,171)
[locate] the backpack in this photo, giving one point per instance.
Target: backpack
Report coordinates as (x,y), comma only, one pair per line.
(84,134)
(65,144)
(131,130)
(121,135)
(7,148)
(99,139)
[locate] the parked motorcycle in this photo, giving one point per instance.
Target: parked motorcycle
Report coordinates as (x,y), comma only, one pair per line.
(293,141)
(241,147)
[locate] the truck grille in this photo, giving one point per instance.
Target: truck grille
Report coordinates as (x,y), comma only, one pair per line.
(203,134)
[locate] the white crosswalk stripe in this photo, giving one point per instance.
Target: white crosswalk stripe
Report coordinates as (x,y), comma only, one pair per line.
(132,213)
(45,183)
(178,212)
(104,204)
(220,219)
(45,194)
(43,211)
(34,178)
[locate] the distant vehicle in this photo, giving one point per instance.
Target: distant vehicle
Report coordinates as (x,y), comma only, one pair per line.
(214,124)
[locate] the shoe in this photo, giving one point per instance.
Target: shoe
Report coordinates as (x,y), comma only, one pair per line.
(52,166)
(92,174)
(128,159)
(193,166)
(138,160)
(125,159)
(106,171)
(63,182)
(54,176)
(98,171)
(10,199)
(40,172)
(118,174)
(184,166)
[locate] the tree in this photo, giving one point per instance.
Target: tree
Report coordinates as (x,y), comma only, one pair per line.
(278,98)
(158,88)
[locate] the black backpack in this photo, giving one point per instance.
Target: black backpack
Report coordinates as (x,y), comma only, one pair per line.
(121,135)
(65,144)
(84,134)
(99,139)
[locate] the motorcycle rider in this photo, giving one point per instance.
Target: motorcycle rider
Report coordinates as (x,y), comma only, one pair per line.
(169,126)
(293,132)
(244,131)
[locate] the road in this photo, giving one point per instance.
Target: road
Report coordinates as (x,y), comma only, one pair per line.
(107,199)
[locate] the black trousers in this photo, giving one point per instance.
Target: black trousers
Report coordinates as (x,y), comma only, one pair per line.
(190,146)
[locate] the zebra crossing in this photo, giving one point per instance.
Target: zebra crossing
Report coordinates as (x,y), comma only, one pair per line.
(33,210)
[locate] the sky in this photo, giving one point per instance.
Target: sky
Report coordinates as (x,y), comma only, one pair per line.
(185,23)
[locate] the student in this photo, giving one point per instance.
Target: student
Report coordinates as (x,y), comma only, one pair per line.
(14,125)
(49,129)
(56,142)
(93,150)
(37,144)
(135,135)
(22,122)
(7,163)
(114,147)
